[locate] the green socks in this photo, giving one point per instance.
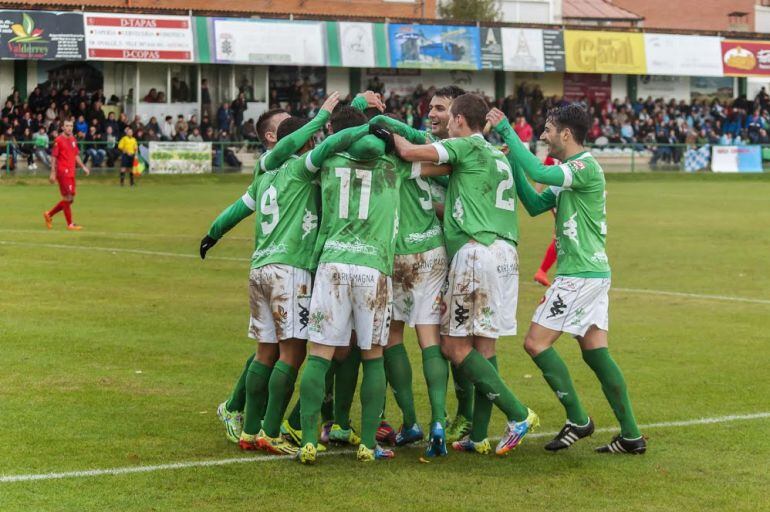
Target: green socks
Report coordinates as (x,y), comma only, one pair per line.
(464,393)
(280,388)
(398,372)
(482,411)
(257,378)
(295,421)
(327,409)
(614,387)
(486,379)
(557,376)
(372,391)
(311,393)
(237,400)
(345,383)
(436,371)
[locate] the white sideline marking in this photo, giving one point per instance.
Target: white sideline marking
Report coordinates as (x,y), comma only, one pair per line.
(701,296)
(117,234)
(269,458)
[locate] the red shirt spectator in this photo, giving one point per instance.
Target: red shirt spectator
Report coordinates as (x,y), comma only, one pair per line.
(523,129)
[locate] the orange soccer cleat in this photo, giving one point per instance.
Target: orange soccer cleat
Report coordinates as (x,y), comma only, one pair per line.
(48,220)
(542,278)
(74,227)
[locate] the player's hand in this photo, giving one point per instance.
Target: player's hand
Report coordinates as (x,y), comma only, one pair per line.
(52,177)
(331,102)
(373,100)
(384,135)
(206,244)
(399,143)
(495,117)
(86,170)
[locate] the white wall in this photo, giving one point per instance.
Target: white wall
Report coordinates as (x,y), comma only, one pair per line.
(528,11)
(761,19)
(619,86)
(668,87)
(6,78)
(338,79)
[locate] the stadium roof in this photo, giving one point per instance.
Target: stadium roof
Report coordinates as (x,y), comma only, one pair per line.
(597,10)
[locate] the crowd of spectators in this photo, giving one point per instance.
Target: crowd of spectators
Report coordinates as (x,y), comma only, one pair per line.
(27,126)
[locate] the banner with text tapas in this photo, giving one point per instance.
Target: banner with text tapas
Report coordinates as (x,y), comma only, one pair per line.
(41,35)
(139,37)
(247,41)
(605,52)
(746,58)
(434,46)
(677,55)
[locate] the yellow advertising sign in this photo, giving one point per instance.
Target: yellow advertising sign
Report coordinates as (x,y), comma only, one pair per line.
(604,52)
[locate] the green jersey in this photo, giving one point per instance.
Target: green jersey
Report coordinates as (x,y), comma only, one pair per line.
(361,209)
(577,192)
(287,221)
(419,229)
(481,198)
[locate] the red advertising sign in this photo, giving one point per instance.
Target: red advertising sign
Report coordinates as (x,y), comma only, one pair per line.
(594,87)
(746,58)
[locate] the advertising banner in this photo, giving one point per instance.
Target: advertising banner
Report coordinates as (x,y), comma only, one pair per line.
(523,49)
(40,35)
(139,37)
(356,42)
(594,87)
(675,55)
(491,48)
(553,50)
(434,46)
(605,52)
(180,157)
(746,58)
(736,159)
(244,41)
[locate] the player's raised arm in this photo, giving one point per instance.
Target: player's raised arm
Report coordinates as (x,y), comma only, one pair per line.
(292,143)
(394,125)
(367,99)
(333,144)
(417,153)
(521,155)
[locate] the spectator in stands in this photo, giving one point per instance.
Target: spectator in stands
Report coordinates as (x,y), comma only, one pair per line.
(111,122)
(523,129)
(192,123)
(81,127)
(111,147)
(152,96)
(27,148)
(195,136)
(94,150)
(137,124)
(167,131)
(205,97)
(51,113)
(238,107)
(224,117)
(41,142)
(181,125)
(153,125)
(250,131)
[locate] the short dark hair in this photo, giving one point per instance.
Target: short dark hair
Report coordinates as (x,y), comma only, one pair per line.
(449,91)
(289,126)
(572,116)
(345,116)
(473,108)
(263,122)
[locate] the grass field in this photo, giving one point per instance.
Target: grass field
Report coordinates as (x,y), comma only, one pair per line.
(117,343)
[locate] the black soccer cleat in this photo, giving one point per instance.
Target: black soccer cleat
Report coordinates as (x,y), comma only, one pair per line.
(570,434)
(620,445)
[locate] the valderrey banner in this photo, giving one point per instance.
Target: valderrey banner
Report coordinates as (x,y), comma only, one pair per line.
(605,52)
(41,35)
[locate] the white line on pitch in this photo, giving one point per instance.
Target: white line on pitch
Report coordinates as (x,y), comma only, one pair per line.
(701,296)
(268,458)
(116,234)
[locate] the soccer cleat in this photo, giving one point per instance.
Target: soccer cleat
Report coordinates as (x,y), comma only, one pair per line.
(325,429)
(307,454)
(386,434)
(437,443)
(460,427)
(466,445)
(409,435)
(370,455)
(233,422)
(275,445)
(74,227)
(569,434)
(48,220)
(341,435)
(621,445)
(542,278)
(515,432)
(291,434)
(248,442)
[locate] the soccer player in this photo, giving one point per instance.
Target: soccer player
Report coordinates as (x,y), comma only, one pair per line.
(128,148)
(578,300)
(481,234)
(64,156)
(440,105)
(352,288)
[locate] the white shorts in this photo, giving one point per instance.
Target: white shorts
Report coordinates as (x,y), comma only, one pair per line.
(279,300)
(350,297)
(574,304)
(417,283)
(482,291)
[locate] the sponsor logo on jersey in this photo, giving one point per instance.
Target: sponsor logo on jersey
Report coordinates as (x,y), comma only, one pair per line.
(508,269)
(570,229)
(458,212)
(269,251)
(357,247)
(309,223)
(561,394)
(600,257)
(557,307)
(416,238)
(354,279)
(576,165)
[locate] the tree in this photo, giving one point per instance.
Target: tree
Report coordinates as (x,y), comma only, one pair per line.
(469,10)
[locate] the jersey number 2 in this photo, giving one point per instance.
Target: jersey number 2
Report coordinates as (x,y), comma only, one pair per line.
(343,173)
(505,185)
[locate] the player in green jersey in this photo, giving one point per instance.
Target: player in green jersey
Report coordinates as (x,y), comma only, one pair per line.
(481,234)
(578,301)
(440,104)
(352,289)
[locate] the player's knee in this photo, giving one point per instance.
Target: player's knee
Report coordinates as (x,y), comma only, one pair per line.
(532,346)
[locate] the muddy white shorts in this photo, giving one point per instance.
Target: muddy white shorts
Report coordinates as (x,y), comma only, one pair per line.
(279,300)
(418,280)
(347,297)
(482,291)
(574,304)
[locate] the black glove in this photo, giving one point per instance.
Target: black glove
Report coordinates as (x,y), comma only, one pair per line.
(206,244)
(384,135)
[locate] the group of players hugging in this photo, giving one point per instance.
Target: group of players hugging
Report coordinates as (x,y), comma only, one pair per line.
(382,225)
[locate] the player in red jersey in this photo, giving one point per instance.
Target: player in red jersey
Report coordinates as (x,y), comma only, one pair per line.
(541,276)
(64,156)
